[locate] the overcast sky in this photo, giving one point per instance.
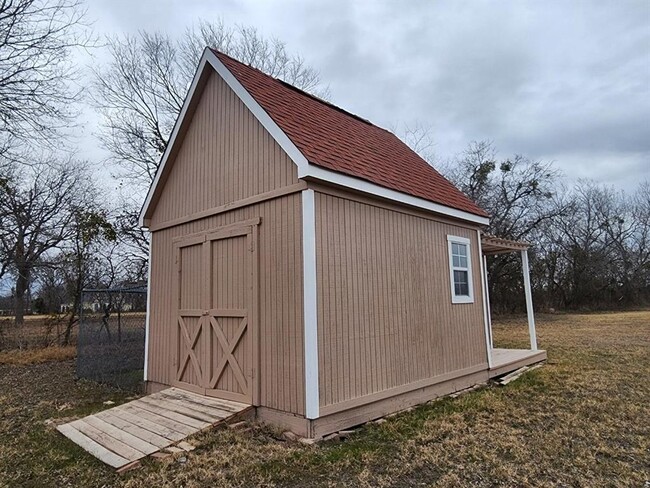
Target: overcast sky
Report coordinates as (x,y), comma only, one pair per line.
(554,80)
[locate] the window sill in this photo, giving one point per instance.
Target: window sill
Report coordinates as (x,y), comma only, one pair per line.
(462,300)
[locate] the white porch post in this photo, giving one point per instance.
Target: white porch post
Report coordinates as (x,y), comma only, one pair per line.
(488,331)
(487,299)
(529,300)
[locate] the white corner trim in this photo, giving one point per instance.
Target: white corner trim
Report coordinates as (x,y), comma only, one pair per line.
(484,283)
(305,170)
(147,317)
(380,191)
(310,304)
(470,281)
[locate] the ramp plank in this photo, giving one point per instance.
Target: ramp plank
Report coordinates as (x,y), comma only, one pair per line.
(154,406)
(110,443)
(144,434)
(191,410)
(121,435)
(97,450)
(160,419)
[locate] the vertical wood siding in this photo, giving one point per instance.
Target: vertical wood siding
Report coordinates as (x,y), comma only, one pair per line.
(385,317)
(280,299)
(226,155)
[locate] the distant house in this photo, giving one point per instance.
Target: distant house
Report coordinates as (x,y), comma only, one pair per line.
(308,263)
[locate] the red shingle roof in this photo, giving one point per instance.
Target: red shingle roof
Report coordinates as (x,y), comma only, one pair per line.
(340,141)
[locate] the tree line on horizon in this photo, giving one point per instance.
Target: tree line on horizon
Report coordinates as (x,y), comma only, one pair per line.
(63,230)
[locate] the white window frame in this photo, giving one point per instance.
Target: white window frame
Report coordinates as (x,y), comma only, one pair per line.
(470,282)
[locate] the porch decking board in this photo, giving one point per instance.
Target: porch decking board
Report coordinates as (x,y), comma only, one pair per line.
(507,360)
(129,432)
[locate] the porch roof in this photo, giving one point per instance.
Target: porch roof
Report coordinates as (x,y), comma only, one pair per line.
(497,245)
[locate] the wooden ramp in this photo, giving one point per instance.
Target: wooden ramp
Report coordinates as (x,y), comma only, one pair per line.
(128,432)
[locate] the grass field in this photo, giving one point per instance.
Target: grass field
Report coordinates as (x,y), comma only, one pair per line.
(581,420)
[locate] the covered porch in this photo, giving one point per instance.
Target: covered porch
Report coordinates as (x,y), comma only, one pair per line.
(502,361)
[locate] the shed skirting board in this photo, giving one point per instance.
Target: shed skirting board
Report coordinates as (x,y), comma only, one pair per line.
(359,415)
(286,421)
(374,408)
(399,390)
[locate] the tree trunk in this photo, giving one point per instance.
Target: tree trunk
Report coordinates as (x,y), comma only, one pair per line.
(22,286)
(76,306)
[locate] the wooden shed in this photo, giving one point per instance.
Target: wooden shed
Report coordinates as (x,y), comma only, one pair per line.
(308,263)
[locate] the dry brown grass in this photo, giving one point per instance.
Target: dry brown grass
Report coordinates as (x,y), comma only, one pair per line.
(38,331)
(36,356)
(581,420)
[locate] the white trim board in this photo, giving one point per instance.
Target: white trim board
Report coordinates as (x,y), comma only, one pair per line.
(364,186)
(310,303)
(305,169)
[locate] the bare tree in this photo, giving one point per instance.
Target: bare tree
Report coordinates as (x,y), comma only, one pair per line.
(37,206)
(90,227)
(517,192)
(36,39)
(520,196)
(141,92)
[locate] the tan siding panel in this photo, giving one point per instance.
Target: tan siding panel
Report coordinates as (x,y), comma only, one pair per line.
(226,156)
(385,315)
(280,298)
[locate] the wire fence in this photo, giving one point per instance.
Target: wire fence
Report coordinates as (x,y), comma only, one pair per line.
(110,344)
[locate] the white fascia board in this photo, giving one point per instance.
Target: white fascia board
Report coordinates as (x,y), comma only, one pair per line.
(310,303)
(305,170)
(260,114)
(397,196)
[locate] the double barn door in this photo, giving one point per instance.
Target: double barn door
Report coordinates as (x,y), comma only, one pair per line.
(216,304)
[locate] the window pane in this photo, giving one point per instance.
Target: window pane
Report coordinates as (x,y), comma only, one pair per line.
(455,260)
(462,262)
(464,289)
(457,289)
(461,286)
(454,248)
(462,249)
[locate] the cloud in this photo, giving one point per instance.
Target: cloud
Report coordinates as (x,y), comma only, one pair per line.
(555,80)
